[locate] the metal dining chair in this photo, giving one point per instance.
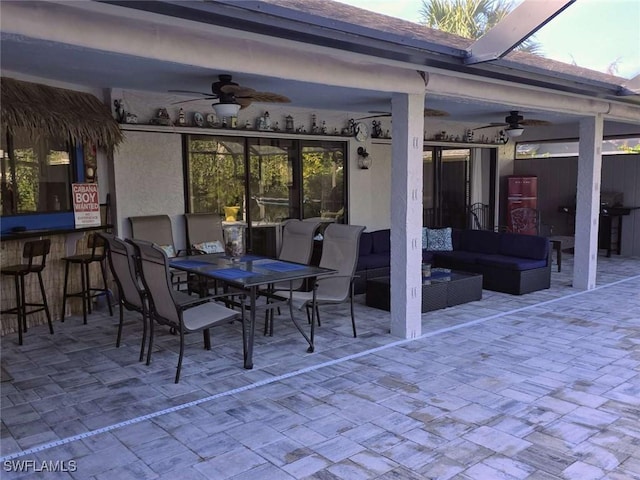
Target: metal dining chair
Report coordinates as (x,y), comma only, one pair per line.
(177,309)
(297,246)
(339,252)
(131,293)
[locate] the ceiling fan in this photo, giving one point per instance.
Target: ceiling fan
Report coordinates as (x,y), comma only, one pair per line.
(228,92)
(428,112)
(515,123)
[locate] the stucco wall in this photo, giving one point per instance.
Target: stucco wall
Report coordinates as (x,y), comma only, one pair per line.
(370,190)
(148,175)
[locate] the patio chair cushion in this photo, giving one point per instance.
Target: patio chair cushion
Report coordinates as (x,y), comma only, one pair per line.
(169,250)
(210,247)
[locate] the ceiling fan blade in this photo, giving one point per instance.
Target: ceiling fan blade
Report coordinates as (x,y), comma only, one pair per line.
(237,90)
(240,92)
(191,92)
(268,97)
(243,102)
(491,125)
(194,100)
(532,122)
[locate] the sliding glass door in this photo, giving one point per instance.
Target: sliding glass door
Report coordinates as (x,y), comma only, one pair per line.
(262,181)
(446,186)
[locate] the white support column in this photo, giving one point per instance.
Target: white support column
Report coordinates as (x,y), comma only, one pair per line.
(588,202)
(406,215)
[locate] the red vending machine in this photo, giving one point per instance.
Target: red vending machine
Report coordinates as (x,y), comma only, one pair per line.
(522,204)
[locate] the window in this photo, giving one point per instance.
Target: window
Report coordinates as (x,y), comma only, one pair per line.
(36,175)
(268,179)
(323,182)
(215,174)
(551,149)
(263,181)
(272,188)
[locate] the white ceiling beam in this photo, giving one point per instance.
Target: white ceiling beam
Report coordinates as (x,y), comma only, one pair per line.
(522,22)
(535,99)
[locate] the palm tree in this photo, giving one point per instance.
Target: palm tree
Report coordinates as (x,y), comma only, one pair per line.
(470,18)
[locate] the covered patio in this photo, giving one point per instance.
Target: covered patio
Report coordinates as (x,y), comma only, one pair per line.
(538,386)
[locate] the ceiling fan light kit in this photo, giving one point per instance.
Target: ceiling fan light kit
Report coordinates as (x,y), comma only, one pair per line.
(226,110)
(513,132)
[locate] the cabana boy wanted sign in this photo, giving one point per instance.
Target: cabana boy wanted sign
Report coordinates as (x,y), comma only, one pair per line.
(86,206)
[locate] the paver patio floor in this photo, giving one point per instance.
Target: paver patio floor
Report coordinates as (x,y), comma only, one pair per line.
(539,386)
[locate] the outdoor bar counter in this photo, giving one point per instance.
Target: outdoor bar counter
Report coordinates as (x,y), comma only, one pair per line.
(64,241)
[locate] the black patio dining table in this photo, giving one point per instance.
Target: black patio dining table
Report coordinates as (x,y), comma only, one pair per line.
(256,275)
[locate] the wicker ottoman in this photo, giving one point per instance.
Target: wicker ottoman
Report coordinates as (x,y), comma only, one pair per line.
(445,288)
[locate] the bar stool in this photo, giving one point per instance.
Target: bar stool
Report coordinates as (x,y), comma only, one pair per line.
(32,251)
(97,253)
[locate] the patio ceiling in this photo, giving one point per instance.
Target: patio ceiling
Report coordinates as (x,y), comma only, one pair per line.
(100,69)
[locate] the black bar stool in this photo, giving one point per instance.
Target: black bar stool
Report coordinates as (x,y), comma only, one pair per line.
(35,251)
(97,253)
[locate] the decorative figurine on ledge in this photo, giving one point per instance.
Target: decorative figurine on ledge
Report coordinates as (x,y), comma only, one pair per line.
(288,125)
(182,120)
(122,116)
(377,129)
(161,118)
(469,136)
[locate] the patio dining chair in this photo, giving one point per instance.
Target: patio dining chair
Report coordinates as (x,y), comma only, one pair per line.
(204,232)
(176,309)
(157,229)
(339,252)
(297,246)
(131,293)
(204,235)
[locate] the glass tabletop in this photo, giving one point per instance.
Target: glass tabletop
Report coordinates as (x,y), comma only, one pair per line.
(247,271)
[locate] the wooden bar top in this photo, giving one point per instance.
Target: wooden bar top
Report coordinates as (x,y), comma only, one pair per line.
(13,235)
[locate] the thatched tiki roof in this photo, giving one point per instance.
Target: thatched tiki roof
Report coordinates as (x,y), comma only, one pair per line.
(60,113)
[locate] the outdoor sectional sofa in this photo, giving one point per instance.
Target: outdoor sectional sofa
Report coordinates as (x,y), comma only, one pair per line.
(509,262)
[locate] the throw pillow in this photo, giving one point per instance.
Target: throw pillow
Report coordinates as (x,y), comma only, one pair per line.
(168,249)
(439,239)
(210,247)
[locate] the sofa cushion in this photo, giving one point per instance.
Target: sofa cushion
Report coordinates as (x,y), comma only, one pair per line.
(365,244)
(381,241)
(439,239)
(511,263)
(525,246)
(456,239)
(458,256)
(427,256)
(481,241)
(373,260)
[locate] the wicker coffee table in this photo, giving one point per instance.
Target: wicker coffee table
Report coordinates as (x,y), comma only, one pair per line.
(445,288)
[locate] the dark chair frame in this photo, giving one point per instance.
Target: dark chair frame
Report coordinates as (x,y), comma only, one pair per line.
(97,253)
(32,250)
(131,293)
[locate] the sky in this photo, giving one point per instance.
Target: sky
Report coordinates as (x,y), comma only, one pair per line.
(590,33)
